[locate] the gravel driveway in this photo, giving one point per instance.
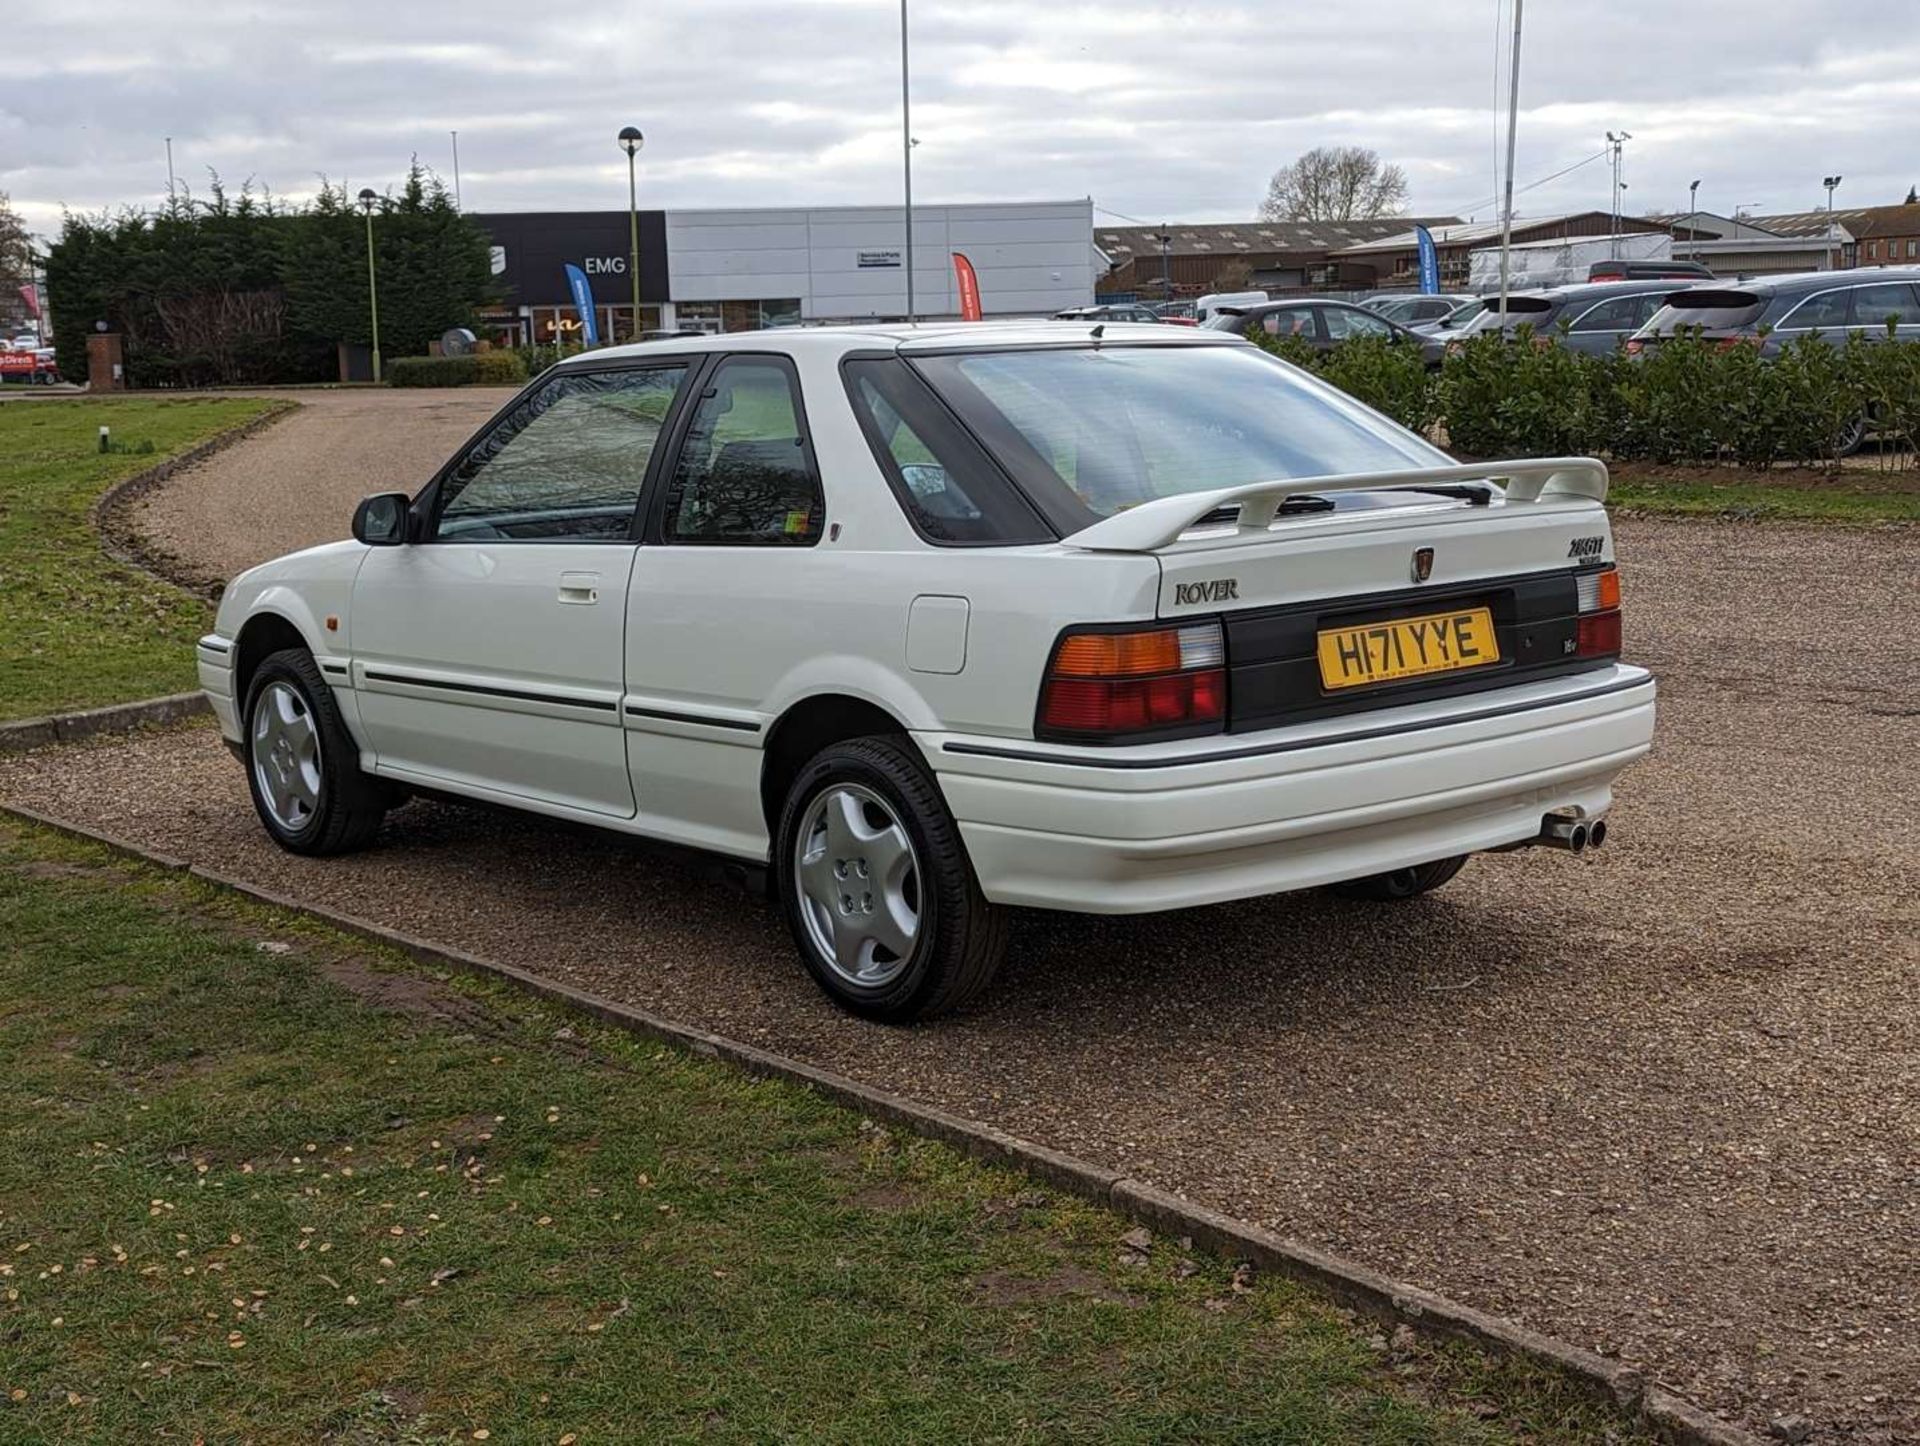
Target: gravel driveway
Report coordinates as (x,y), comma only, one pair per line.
(1663,1101)
(295,484)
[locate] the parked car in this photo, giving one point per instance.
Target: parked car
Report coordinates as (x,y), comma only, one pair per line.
(1454,323)
(1594,318)
(29,364)
(934,622)
(1208,306)
(1324,324)
(1770,312)
(1620,269)
(1415,310)
(1115,311)
(1180,313)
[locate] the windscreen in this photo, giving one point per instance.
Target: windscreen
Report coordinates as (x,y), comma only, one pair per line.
(1713,310)
(1107,428)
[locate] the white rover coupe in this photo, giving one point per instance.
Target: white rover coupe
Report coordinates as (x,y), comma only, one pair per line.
(936,622)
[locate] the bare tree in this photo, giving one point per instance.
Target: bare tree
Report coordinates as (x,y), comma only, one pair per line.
(1335,183)
(13,242)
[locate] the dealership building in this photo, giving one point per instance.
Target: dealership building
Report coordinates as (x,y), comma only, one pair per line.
(734,270)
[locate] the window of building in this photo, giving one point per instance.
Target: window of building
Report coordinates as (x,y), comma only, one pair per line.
(745,475)
(1873,251)
(697,315)
(566,463)
(1913,249)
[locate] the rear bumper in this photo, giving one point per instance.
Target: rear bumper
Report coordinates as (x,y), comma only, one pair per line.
(1198,821)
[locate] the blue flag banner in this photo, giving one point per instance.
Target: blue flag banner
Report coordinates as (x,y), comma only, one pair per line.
(1429,262)
(583,303)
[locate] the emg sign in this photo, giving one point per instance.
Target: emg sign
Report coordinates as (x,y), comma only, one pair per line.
(606,265)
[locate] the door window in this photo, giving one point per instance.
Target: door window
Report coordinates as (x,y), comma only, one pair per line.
(745,474)
(567,463)
(1342,324)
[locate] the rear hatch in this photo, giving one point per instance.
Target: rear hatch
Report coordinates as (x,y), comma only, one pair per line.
(1717,311)
(1433,595)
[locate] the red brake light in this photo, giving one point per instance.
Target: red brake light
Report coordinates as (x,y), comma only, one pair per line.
(1110,682)
(1599,635)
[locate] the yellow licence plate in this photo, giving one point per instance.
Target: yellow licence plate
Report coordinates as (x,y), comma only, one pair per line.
(1408,648)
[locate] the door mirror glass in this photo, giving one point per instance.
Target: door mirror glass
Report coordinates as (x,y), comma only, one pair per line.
(381,520)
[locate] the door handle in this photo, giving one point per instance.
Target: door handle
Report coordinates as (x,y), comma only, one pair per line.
(582,589)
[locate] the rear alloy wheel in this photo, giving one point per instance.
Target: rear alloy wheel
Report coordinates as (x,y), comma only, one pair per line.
(303,767)
(1851,438)
(877,889)
(1404,883)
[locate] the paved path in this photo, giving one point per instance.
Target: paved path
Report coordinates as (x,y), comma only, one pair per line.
(1663,1102)
(297,482)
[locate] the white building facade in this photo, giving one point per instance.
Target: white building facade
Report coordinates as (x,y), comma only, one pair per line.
(781,266)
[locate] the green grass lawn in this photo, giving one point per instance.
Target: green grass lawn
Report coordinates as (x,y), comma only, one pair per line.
(1845,500)
(260,1181)
(78,629)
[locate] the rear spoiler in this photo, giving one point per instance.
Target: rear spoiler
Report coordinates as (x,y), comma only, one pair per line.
(1159,523)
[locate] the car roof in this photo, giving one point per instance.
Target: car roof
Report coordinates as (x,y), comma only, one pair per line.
(1805,282)
(1593,290)
(924,337)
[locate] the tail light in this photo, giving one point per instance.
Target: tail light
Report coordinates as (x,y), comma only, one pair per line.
(1597,632)
(1115,682)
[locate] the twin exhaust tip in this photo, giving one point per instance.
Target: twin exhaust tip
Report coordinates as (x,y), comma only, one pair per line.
(1574,834)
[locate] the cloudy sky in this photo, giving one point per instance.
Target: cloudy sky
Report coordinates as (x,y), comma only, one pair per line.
(1160,111)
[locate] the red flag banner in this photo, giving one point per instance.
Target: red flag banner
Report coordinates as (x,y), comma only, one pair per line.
(31,296)
(969,287)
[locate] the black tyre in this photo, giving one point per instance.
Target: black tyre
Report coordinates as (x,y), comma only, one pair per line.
(1402,883)
(876,886)
(303,768)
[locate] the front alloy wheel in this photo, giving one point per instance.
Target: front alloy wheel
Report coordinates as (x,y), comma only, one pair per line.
(303,768)
(286,756)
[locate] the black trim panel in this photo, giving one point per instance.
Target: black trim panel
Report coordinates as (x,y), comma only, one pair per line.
(738,724)
(1357,735)
(560,700)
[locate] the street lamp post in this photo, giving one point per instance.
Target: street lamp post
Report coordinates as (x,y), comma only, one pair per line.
(1832,183)
(1166,272)
(906,156)
(630,141)
(367,198)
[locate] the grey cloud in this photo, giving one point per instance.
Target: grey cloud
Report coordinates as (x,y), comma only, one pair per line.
(1175,111)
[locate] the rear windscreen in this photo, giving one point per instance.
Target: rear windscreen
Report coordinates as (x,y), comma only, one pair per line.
(1714,310)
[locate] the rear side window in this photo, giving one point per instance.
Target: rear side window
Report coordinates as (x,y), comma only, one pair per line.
(1875,306)
(745,476)
(1828,311)
(952,492)
(1619,314)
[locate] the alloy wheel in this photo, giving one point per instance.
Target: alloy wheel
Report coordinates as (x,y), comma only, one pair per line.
(859,885)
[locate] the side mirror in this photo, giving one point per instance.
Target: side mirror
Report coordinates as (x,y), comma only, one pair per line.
(381,520)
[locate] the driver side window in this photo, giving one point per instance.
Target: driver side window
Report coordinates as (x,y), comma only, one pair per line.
(568,463)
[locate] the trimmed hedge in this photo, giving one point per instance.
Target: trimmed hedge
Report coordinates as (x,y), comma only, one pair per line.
(498,369)
(1686,401)
(432,371)
(485,369)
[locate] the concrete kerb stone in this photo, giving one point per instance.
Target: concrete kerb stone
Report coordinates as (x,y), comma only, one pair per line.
(1365,1291)
(93,722)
